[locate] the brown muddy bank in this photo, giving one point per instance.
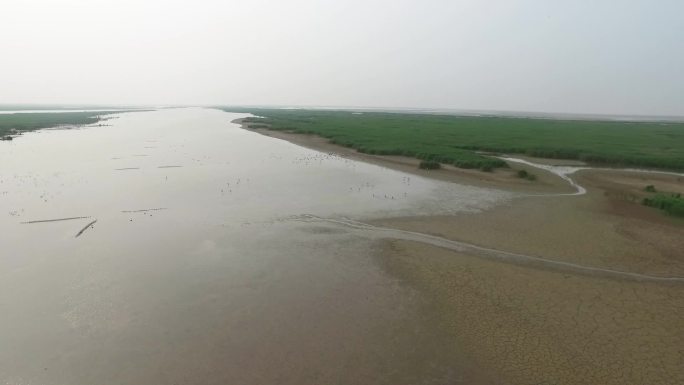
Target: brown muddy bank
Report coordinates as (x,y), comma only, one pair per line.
(533,326)
(541,326)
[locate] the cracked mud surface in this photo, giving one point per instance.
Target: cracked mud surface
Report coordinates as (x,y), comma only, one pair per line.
(533,326)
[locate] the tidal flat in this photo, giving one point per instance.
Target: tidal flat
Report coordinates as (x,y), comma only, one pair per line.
(199,252)
(570,282)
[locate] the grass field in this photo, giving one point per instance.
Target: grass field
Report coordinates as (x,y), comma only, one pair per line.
(455,139)
(17,123)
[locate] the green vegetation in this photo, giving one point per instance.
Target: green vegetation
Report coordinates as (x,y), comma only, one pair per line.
(18,123)
(672,204)
(526,175)
(455,139)
(650,188)
(377,134)
(429,165)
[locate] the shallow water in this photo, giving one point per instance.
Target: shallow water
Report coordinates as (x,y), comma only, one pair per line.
(564,172)
(162,249)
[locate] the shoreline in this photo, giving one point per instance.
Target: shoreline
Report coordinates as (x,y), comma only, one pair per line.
(15,124)
(503,178)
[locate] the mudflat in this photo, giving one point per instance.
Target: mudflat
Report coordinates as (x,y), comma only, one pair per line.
(531,324)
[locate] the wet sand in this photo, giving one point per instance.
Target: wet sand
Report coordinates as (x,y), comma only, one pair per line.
(530,324)
(533,326)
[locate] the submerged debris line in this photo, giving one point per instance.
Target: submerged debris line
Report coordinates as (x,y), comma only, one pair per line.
(143,210)
(53,220)
(89,225)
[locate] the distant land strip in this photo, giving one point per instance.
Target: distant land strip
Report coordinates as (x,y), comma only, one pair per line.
(18,123)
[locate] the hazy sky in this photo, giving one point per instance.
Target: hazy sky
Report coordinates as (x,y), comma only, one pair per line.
(590,56)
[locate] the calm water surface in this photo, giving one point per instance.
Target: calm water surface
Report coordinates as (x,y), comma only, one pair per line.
(198,269)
